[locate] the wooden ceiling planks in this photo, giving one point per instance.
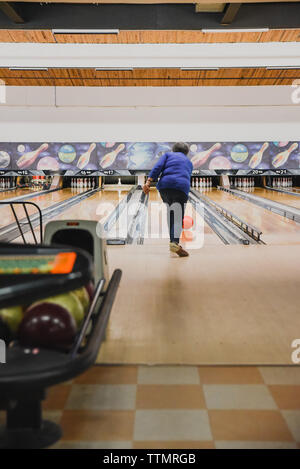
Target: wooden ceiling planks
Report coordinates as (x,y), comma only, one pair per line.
(149,77)
(143,2)
(150,37)
(36,36)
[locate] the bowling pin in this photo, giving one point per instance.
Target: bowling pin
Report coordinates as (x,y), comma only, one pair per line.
(29,158)
(110,157)
(257,157)
(282,157)
(85,157)
(200,158)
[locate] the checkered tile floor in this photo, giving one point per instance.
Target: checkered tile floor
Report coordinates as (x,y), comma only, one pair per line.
(178,407)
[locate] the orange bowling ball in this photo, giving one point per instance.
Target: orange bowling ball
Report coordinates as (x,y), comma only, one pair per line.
(187,236)
(187,222)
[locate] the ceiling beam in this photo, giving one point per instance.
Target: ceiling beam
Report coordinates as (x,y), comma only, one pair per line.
(230,13)
(11,12)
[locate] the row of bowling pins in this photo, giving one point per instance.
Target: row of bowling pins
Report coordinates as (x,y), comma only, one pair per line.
(83,183)
(201,182)
(5,183)
(282,182)
(241,182)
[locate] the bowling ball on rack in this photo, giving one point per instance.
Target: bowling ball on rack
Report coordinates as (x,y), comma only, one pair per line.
(83,296)
(47,325)
(12,316)
(69,301)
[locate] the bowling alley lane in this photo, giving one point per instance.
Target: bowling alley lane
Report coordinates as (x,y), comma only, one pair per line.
(156,223)
(15,193)
(92,208)
(280,197)
(275,228)
(43,201)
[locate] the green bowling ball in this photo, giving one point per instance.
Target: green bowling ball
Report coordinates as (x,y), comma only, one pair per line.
(12,316)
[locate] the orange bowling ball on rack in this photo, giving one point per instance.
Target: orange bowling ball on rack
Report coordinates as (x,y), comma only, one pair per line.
(187,222)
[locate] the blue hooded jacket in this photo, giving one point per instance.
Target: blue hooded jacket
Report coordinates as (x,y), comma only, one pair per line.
(175,170)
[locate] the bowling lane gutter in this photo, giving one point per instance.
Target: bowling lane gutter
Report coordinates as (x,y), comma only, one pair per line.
(11,232)
(285,211)
(283,191)
(115,215)
(140,239)
(31,196)
(135,222)
(137,225)
(227,232)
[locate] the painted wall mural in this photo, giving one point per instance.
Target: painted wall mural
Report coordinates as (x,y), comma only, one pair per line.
(102,156)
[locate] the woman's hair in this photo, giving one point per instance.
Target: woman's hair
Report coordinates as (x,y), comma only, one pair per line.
(181,147)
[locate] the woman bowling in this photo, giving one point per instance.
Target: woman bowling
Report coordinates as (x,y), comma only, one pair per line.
(174,169)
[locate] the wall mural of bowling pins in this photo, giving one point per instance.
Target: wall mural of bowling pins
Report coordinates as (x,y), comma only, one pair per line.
(100,156)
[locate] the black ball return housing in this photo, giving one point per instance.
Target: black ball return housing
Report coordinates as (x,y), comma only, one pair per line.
(27,373)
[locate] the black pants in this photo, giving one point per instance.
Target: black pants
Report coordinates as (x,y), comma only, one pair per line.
(175,201)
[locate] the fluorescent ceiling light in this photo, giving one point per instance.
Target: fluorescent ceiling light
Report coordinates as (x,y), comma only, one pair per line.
(282,67)
(223,30)
(43,69)
(113,69)
(85,31)
(199,68)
